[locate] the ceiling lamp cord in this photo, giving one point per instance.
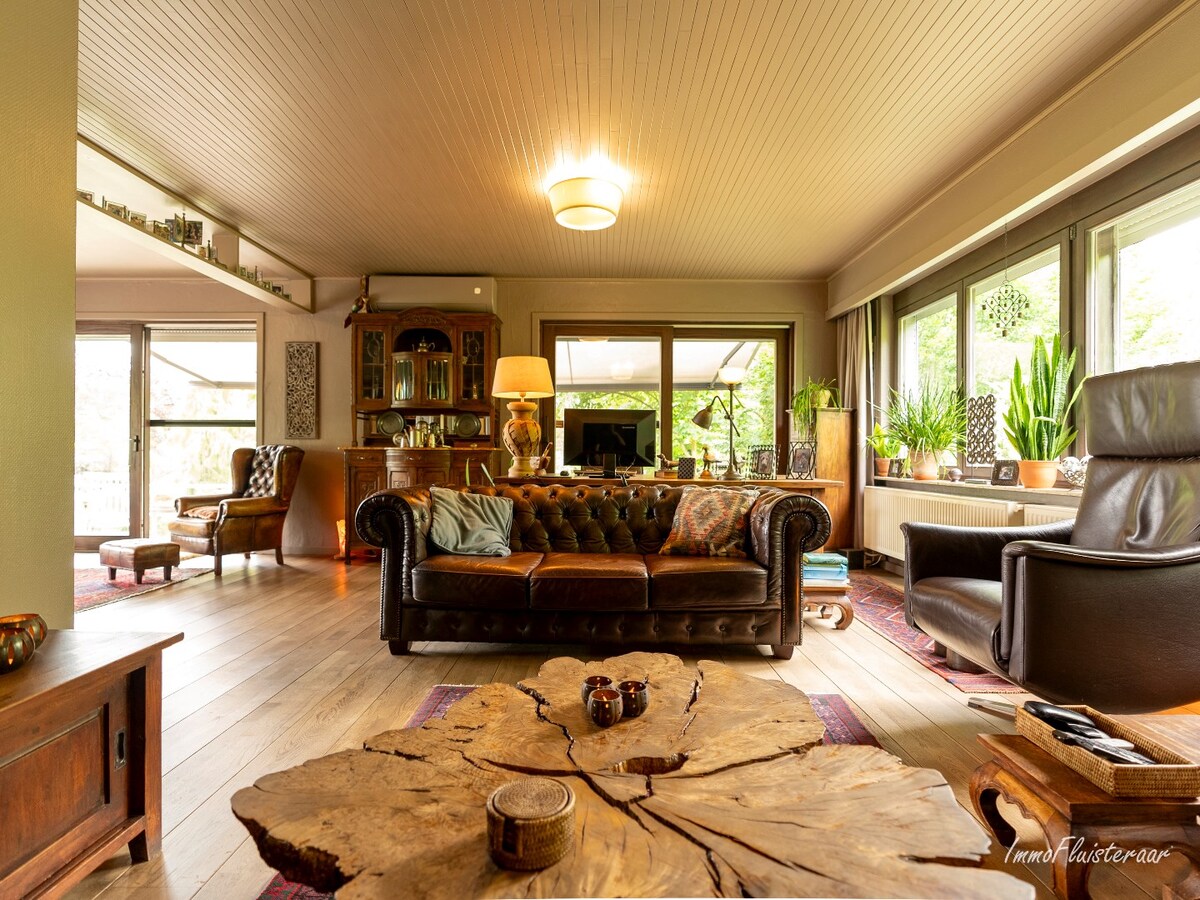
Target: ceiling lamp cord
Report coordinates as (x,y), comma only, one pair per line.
(1006,305)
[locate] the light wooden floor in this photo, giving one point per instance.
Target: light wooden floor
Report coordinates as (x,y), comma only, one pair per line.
(280,665)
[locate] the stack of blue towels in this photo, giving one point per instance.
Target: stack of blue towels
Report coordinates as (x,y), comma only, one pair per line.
(826,567)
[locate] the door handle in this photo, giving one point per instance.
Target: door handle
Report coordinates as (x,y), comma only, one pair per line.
(137,443)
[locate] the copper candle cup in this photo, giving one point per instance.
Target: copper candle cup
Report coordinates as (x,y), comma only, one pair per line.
(31,622)
(591,683)
(635,697)
(604,706)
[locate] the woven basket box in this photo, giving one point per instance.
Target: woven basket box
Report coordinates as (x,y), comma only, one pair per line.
(1176,777)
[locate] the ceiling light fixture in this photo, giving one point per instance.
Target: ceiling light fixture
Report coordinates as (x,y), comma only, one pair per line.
(586,197)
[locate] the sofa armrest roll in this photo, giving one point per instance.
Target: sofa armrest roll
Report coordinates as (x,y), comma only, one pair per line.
(783,527)
(397,521)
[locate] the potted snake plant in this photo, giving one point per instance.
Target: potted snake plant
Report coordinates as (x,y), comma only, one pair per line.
(1036,420)
(928,423)
(886,448)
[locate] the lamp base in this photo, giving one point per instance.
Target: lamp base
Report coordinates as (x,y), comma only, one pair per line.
(521,436)
(730,474)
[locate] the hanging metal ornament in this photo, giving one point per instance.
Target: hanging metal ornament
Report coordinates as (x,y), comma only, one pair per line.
(1005,306)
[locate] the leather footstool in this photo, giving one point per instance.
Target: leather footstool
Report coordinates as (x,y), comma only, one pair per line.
(139,554)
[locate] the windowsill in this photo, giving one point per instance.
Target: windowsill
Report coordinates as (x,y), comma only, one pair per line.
(1050,496)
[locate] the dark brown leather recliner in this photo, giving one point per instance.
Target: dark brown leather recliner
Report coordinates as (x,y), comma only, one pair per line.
(1104,610)
(248,518)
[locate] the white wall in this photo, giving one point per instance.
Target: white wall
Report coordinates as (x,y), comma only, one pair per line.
(37,300)
(317,504)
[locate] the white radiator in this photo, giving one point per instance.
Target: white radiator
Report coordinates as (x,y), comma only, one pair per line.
(884,509)
(1044,513)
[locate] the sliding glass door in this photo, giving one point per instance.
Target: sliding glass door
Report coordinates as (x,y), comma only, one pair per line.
(107,433)
(202,405)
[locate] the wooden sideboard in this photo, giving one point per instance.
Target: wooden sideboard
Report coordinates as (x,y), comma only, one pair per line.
(80,758)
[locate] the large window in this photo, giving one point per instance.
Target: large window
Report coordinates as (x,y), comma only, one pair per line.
(673,370)
(929,345)
(1145,275)
(993,349)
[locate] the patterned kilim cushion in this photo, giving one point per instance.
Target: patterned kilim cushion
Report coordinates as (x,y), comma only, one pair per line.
(710,522)
(262,471)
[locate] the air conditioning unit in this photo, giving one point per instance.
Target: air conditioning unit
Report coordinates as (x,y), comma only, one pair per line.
(451,293)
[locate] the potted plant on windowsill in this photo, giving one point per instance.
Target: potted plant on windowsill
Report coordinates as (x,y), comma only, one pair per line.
(1036,421)
(928,424)
(886,448)
(814,395)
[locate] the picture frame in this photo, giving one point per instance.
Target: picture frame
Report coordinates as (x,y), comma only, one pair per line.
(85,196)
(896,467)
(762,461)
(1006,472)
(178,227)
(161,230)
(137,219)
(193,232)
(802,460)
(116,209)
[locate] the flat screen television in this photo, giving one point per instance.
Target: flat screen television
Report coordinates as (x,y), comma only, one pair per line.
(609,438)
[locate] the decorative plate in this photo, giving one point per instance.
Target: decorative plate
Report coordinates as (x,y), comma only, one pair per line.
(389,423)
(467,425)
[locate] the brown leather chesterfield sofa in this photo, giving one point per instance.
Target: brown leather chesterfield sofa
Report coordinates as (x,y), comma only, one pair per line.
(1104,609)
(585,568)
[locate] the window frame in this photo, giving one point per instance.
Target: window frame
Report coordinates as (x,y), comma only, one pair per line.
(929,306)
(668,333)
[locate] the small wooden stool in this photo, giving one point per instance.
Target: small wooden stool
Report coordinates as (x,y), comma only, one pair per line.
(1068,808)
(139,554)
(820,598)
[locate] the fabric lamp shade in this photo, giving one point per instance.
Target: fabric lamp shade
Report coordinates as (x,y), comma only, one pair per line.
(522,377)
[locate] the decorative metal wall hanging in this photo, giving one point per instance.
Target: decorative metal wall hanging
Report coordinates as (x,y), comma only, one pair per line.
(1006,305)
(981,430)
(301,384)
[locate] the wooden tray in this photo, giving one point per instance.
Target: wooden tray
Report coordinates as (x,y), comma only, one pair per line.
(1176,777)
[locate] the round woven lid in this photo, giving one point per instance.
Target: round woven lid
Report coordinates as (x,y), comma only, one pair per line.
(531,798)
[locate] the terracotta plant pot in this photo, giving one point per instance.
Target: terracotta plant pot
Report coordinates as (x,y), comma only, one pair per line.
(881,465)
(1038,473)
(924,466)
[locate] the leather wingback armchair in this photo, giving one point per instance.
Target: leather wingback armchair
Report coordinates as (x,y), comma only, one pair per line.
(250,517)
(1103,610)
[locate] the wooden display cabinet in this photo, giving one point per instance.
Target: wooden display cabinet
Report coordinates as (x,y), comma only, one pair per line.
(420,362)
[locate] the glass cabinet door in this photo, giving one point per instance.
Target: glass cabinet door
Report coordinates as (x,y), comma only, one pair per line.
(404,378)
(474,371)
(371,356)
(436,372)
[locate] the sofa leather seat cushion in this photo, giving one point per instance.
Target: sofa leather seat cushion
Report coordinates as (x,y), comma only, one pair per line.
(599,581)
(962,613)
(193,527)
(482,582)
(678,582)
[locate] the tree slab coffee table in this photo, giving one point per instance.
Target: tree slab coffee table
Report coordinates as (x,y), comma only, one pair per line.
(722,788)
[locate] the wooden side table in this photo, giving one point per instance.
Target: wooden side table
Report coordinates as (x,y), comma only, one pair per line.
(1069,808)
(80,758)
(821,598)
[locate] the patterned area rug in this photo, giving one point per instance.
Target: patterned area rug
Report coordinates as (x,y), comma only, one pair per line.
(881,606)
(92,587)
(842,726)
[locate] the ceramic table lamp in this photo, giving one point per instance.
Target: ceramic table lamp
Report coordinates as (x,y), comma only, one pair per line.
(522,379)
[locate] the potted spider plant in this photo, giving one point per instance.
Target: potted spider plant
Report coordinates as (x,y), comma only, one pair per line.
(928,423)
(816,394)
(886,448)
(1036,420)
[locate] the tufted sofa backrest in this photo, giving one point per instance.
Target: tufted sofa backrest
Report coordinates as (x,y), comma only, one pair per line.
(585,519)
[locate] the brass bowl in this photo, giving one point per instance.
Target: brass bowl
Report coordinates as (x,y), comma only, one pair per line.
(16,648)
(31,622)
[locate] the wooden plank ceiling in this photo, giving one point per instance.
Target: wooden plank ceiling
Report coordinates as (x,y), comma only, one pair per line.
(764,139)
